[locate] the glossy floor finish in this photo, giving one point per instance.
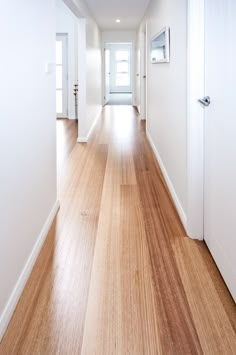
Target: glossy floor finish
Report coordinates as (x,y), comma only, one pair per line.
(117,274)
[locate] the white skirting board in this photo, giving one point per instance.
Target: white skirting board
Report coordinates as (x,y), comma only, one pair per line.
(82,140)
(85,139)
(19,287)
(174,196)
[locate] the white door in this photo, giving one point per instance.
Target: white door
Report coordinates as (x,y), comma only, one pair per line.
(107,75)
(120,65)
(61,76)
(220,137)
(144,78)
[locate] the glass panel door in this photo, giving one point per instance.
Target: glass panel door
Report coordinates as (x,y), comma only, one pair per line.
(121,68)
(61,76)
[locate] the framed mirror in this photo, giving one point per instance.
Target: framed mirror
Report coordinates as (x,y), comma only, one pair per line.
(160,47)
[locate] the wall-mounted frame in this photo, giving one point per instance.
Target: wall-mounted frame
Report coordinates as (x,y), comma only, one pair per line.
(160,47)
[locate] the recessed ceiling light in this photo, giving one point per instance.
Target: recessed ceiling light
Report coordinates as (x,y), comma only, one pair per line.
(117,20)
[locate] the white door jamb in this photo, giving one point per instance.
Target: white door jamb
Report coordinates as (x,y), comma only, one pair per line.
(195,117)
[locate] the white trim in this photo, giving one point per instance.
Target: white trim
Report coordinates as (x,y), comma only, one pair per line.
(120,37)
(85,139)
(143,72)
(19,287)
(82,140)
(113,48)
(106,95)
(63,37)
(174,196)
(82,79)
(165,30)
(195,119)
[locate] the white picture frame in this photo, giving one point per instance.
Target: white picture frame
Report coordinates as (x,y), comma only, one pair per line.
(160,47)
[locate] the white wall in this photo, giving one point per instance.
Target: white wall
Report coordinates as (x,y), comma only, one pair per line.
(167,97)
(67,22)
(89,68)
(27,141)
(93,74)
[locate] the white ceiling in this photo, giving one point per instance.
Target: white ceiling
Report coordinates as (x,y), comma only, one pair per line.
(130,12)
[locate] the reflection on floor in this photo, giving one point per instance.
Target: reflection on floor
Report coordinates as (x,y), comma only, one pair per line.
(120,99)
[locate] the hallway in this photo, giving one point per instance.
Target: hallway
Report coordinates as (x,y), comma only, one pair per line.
(117,274)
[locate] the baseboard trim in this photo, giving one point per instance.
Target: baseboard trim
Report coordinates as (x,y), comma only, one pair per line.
(170,186)
(85,139)
(20,285)
(82,140)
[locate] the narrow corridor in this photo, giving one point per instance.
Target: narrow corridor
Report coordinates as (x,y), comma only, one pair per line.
(117,274)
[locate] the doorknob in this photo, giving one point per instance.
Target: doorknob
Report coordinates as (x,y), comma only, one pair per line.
(205,101)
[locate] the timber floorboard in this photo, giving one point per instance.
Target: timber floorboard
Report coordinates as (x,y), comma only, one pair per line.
(117,273)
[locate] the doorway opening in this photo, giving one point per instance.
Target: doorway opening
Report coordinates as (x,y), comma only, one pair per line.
(142,75)
(61,75)
(67,52)
(118,74)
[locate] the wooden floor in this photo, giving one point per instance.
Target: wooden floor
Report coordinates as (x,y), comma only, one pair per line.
(117,274)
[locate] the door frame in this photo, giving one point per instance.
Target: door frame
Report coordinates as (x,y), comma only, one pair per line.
(113,48)
(108,44)
(195,118)
(64,38)
(143,72)
(106,95)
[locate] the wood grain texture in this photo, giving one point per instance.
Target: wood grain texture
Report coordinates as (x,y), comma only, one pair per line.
(117,273)
(208,311)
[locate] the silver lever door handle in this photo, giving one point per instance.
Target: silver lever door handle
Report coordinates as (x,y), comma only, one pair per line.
(205,101)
